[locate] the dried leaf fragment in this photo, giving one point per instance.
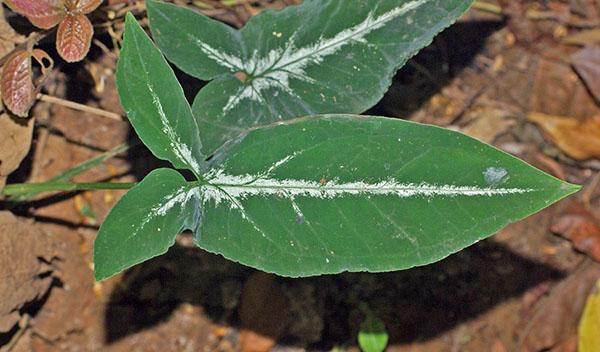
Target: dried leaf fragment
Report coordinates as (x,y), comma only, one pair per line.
(74,37)
(44,14)
(587,64)
(589,326)
(581,228)
(586,37)
(14,144)
(578,139)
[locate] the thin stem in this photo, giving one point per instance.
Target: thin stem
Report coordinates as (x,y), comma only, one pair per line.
(487,7)
(80,107)
(25,188)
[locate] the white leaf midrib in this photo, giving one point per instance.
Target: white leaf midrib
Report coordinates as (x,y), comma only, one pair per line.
(349,37)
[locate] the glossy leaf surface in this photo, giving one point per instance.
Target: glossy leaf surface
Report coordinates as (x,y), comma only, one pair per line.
(319,57)
(144,222)
(155,103)
(352,193)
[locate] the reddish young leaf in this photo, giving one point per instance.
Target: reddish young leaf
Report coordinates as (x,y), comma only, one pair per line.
(87,6)
(46,63)
(17,84)
(74,37)
(44,14)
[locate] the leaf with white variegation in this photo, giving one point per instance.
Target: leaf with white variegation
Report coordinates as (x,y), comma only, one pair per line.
(144,223)
(319,57)
(155,103)
(342,192)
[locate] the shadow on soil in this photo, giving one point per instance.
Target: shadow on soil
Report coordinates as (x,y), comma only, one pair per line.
(415,304)
(434,67)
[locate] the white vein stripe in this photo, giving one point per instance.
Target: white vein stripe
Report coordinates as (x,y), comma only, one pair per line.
(279,65)
(225,187)
(181,150)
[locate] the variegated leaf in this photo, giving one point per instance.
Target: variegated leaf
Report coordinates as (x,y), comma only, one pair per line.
(44,14)
(321,56)
(335,193)
(74,37)
(156,209)
(155,103)
(331,193)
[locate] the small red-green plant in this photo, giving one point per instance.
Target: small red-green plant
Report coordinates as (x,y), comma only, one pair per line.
(75,31)
(73,39)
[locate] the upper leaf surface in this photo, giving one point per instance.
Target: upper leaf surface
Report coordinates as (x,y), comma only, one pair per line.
(321,56)
(42,13)
(74,37)
(155,103)
(337,193)
(87,6)
(144,222)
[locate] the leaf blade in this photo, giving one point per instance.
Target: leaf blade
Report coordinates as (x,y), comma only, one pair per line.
(144,223)
(155,102)
(169,21)
(297,61)
(316,208)
(17,83)
(74,37)
(44,14)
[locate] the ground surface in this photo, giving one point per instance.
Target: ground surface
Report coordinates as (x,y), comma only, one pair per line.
(522,290)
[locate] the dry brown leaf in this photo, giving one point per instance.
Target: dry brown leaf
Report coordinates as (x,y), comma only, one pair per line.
(488,123)
(587,64)
(14,144)
(25,252)
(8,37)
(578,139)
(587,37)
(589,327)
(582,228)
(557,314)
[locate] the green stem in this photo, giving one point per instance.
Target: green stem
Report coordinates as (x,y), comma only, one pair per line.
(25,188)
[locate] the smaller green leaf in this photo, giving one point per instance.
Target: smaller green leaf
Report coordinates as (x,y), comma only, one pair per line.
(144,222)
(185,39)
(155,103)
(372,336)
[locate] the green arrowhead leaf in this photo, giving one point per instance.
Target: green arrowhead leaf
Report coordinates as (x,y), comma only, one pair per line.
(144,222)
(155,103)
(340,192)
(323,56)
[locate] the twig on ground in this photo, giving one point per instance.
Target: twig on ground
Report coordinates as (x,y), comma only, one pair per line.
(80,107)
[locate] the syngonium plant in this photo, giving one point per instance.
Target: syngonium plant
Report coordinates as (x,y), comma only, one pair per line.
(282,175)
